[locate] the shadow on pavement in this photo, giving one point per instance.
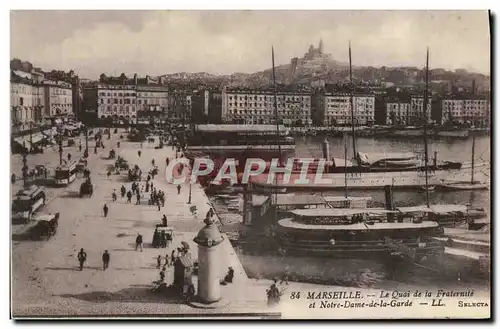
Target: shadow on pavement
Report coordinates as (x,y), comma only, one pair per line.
(133,294)
(70,195)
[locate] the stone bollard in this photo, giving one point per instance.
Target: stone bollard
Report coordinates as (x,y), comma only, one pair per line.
(209,239)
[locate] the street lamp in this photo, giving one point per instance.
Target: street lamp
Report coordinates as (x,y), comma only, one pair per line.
(25,168)
(60,149)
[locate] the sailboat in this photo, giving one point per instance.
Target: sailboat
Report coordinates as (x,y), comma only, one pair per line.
(472,185)
(427,188)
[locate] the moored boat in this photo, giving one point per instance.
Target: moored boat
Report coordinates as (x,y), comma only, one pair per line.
(355,233)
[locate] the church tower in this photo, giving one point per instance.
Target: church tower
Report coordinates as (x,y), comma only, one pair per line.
(320,48)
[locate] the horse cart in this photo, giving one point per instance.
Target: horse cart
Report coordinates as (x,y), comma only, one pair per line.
(86,189)
(44,228)
(121,164)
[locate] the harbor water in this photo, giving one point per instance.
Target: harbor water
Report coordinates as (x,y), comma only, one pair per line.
(262,263)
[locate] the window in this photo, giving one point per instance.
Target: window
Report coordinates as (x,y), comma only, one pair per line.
(21,101)
(115,101)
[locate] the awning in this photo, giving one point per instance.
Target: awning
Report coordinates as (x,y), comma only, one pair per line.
(35,138)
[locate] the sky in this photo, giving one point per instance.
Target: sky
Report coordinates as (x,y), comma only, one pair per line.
(224,42)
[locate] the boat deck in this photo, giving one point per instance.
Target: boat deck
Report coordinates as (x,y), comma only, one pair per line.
(291,223)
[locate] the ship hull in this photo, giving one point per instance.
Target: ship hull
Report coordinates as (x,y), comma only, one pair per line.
(367,180)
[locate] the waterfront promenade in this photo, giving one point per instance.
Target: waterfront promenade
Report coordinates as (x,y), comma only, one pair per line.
(46,280)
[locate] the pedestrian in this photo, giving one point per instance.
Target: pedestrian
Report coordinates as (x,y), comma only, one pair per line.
(178,189)
(129,197)
(105,210)
(139,152)
(164,220)
(82,257)
(113,195)
(105,260)
(69,157)
(162,276)
(45,173)
(109,174)
(80,147)
(138,242)
(153,162)
(149,178)
(158,262)
(166,261)
(168,161)
(172,257)
(123,190)
(151,186)
(158,203)
(138,198)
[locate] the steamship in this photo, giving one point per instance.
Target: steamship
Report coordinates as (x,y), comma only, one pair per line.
(240,142)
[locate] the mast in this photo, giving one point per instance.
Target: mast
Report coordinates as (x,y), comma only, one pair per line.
(345,165)
(351,103)
(472,160)
(276,106)
(278,132)
(426,146)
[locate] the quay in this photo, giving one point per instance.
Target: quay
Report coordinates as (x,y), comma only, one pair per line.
(47,282)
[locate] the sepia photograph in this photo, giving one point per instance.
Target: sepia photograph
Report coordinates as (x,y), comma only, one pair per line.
(250,164)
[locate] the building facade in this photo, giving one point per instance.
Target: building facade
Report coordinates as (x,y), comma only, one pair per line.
(28,100)
(460,110)
(336,109)
(416,113)
(58,98)
(398,113)
(247,106)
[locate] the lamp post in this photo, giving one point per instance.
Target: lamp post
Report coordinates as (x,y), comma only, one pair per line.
(60,149)
(25,168)
(189,200)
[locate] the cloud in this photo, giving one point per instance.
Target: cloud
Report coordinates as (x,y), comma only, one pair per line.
(158,42)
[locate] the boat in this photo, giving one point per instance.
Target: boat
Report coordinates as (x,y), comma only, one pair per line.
(447,215)
(240,142)
(464,186)
(355,233)
(456,133)
(467,185)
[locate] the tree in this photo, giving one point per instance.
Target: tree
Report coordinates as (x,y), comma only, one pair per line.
(103,77)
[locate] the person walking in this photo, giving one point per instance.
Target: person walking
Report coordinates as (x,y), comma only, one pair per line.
(82,258)
(129,197)
(164,220)
(113,195)
(158,262)
(123,191)
(138,197)
(105,209)
(178,189)
(172,257)
(166,261)
(69,157)
(158,203)
(109,174)
(105,260)
(139,152)
(138,242)
(153,162)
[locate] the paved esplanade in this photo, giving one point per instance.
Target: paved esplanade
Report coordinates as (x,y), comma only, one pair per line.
(46,279)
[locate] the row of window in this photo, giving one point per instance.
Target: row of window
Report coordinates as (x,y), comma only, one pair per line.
(133,94)
(268,98)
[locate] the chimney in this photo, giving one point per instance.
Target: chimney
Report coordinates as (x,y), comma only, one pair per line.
(135,79)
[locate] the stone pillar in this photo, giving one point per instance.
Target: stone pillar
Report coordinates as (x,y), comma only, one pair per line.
(209,262)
